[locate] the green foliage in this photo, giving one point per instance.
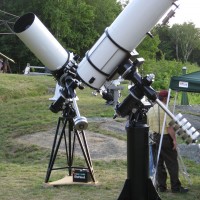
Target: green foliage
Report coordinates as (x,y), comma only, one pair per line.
(71,22)
(186,38)
(105,13)
(149,47)
(180,42)
(165,46)
(78,23)
(164,70)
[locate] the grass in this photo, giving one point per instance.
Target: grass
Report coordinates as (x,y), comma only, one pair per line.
(24,110)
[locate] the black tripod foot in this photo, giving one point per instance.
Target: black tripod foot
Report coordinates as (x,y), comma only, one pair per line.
(153,195)
(126,193)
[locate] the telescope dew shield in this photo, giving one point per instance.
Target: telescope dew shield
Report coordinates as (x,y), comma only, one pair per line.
(118,40)
(41,42)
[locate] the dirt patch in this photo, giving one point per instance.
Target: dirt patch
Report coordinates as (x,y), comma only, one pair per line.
(101,147)
(104,147)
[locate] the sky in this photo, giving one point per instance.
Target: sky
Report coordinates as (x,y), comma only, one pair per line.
(188,11)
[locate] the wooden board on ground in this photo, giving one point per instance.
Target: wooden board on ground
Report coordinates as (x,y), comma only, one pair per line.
(68,180)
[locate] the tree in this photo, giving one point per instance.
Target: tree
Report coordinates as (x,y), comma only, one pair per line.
(180,42)
(166,46)
(186,38)
(195,58)
(78,23)
(149,47)
(10,44)
(71,22)
(105,13)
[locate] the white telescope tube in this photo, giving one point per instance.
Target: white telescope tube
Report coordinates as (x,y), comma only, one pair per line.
(118,40)
(191,131)
(195,135)
(41,42)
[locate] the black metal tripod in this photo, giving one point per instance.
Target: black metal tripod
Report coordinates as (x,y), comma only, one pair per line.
(69,140)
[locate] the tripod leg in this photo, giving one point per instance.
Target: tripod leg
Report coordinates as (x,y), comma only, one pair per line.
(86,148)
(125,193)
(55,150)
(86,154)
(71,146)
(52,150)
